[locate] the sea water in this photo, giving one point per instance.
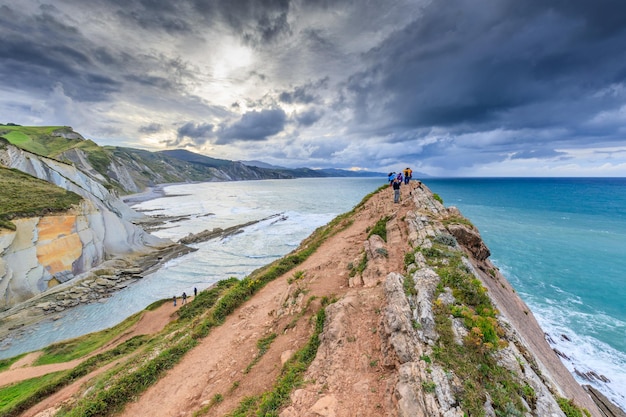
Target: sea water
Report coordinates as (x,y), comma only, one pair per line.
(293,209)
(560,242)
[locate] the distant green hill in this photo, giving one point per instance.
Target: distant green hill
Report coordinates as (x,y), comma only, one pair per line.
(130,170)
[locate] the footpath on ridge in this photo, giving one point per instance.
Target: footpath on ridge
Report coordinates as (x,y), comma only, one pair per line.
(379,337)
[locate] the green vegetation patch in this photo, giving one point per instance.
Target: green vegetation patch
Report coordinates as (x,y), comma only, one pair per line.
(291,377)
(263,345)
(81,346)
(6,363)
(570,409)
(457,220)
(205,299)
(21,396)
(12,396)
(380,228)
(26,196)
(40,140)
(474,359)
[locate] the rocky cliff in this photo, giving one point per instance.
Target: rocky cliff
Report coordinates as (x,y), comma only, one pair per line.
(390,310)
(45,251)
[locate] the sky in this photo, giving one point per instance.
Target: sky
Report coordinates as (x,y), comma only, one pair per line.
(448,87)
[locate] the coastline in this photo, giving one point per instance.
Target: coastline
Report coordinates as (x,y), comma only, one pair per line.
(150,193)
(154,193)
(324,275)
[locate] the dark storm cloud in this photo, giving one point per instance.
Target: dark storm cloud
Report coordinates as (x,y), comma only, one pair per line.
(198,134)
(166,15)
(503,64)
(254,126)
(38,52)
(309,117)
(304,94)
(257,21)
(299,95)
(151,128)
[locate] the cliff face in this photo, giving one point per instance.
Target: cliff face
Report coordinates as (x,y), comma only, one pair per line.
(417,323)
(45,251)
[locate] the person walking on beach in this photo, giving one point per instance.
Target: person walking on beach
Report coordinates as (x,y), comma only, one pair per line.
(184,297)
(396,190)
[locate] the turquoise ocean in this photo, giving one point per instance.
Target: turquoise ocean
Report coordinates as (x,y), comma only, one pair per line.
(561,242)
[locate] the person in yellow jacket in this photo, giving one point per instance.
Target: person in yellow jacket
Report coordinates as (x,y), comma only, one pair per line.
(408,173)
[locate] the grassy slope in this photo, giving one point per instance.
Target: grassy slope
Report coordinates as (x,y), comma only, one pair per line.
(148,358)
(25,196)
(143,366)
(38,139)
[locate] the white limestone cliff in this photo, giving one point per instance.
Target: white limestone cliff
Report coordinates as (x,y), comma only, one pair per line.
(45,251)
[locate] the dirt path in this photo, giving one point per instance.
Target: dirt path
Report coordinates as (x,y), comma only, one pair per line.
(347,371)
(150,323)
(217,367)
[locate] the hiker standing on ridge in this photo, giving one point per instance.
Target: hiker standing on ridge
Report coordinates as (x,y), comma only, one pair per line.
(408,174)
(396,189)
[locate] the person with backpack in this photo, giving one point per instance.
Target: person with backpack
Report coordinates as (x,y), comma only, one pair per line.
(408,174)
(396,189)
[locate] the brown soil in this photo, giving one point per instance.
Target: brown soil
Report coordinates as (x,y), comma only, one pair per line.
(345,380)
(151,322)
(351,374)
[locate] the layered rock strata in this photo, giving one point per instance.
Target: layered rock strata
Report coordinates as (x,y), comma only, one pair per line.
(49,250)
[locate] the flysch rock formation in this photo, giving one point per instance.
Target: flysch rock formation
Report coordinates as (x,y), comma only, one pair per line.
(47,251)
(415,386)
(374,356)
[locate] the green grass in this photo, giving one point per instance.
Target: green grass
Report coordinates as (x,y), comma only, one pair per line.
(149,357)
(26,196)
(81,346)
(380,228)
(570,409)
(474,359)
(39,139)
(6,363)
(15,394)
(26,394)
(291,377)
(263,345)
(457,220)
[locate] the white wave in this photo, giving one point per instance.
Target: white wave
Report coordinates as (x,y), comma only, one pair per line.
(590,360)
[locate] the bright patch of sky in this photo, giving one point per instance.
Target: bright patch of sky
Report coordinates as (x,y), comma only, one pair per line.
(533,88)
